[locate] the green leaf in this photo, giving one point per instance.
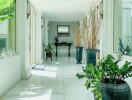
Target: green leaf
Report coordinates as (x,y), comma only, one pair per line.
(6,9)
(80,75)
(106,71)
(5,4)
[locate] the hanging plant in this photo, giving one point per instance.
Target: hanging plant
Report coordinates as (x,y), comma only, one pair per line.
(6,9)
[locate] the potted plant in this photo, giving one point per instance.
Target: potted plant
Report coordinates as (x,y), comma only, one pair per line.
(107,79)
(49,51)
(91,35)
(56,39)
(128,50)
(79,48)
(125,51)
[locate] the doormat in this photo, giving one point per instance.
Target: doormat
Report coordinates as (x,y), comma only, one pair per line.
(39,67)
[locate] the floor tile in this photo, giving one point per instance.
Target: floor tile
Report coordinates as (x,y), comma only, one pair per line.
(79,97)
(57,82)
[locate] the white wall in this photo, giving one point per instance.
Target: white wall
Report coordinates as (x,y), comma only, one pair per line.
(15,68)
(10,67)
(74,29)
(45,30)
(10,73)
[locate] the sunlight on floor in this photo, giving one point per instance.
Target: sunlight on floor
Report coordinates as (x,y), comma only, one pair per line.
(57,63)
(53,69)
(48,72)
(55,82)
(46,96)
(27,93)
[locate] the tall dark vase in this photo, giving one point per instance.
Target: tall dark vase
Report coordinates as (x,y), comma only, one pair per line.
(91,56)
(79,54)
(115,91)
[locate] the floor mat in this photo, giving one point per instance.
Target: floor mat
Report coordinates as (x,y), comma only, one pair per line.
(39,67)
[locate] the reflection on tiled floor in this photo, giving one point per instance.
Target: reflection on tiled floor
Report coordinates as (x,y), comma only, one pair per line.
(56,82)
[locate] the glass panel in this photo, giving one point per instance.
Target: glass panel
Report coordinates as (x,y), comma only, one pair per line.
(123,41)
(126,36)
(7,26)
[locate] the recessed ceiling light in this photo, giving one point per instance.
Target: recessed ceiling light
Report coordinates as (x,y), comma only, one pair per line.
(84,0)
(84,9)
(69,4)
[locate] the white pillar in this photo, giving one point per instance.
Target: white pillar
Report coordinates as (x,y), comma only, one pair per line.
(23,34)
(46,32)
(117,24)
(107,32)
(38,38)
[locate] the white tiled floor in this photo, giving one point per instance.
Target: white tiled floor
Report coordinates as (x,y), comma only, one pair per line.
(56,82)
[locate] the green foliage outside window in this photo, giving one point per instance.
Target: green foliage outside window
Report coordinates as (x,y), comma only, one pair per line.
(7,26)
(6,9)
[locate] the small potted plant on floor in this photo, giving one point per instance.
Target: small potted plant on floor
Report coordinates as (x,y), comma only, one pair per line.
(79,48)
(49,51)
(107,79)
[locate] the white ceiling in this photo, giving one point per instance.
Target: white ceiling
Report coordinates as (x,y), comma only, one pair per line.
(128,0)
(62,10)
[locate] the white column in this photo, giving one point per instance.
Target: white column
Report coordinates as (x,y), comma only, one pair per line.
(46,32)
(107,30)
(117,24)
(22,31)
(38,38)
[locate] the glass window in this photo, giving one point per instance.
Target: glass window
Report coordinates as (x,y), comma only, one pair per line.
(7,26)
(126,35)
(123,27)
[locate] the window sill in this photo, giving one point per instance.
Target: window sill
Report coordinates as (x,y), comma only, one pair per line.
(2,56)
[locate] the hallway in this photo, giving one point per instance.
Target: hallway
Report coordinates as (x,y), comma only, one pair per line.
(56,82)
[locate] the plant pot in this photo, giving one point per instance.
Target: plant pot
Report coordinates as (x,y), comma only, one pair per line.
(79,54)
(49,55)
(91,56)
(115,91)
